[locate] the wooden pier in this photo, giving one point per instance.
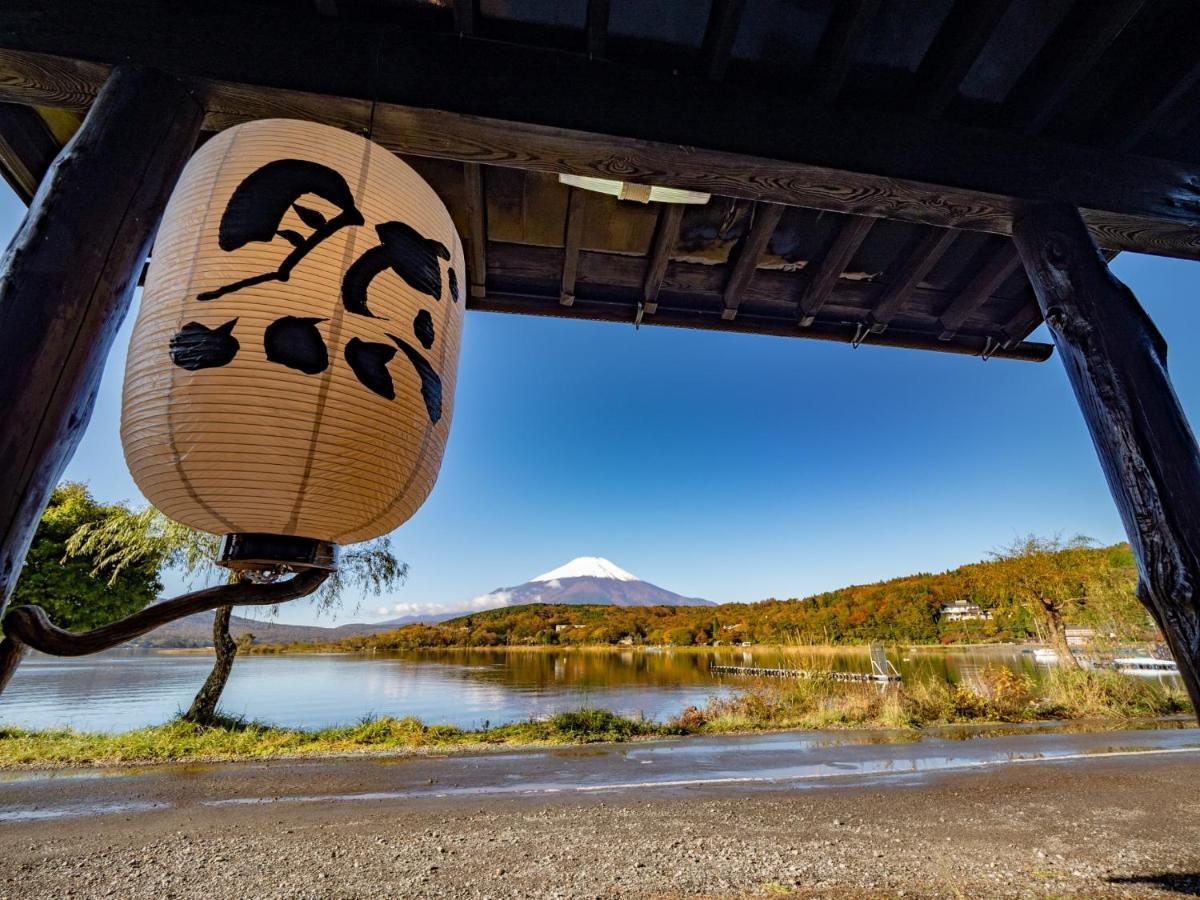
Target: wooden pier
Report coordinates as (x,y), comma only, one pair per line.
(765,672)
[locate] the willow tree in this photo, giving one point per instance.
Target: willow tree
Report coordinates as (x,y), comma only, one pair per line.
(127,540)
(1051,578)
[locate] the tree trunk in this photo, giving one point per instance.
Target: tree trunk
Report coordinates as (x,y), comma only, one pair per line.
(204,707)
(1058,635)
(66,280)
(12,651)
(1116,361)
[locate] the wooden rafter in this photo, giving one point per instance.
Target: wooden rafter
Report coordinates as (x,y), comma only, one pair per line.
(461,98)
(843,36)
(723,19)
(986,282)
(666,234)
(749,252)
(822,275)
(327,8)
(1162,109)
(572,237)
(476,229)
(1061,67)
(912,270)
(464,16)
(27,148)
(597,27)
(965,31)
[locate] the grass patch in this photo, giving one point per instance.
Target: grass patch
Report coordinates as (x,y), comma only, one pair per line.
(998,695)
(231,738)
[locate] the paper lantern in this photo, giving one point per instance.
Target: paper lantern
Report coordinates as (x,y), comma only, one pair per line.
(292,367)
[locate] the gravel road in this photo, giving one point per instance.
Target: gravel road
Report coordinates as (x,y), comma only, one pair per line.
(1115,826)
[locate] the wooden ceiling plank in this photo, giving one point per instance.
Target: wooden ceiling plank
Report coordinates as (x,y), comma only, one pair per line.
(666,235)
(1063,64)
(597,27)
(572,238)
(986,282)
(476,229)
(848,25)
(425,108)
(964,33)
(27,148)
(750,251)
(465,15)
(724,17)
(1162,109)
(910,273)
(821,277)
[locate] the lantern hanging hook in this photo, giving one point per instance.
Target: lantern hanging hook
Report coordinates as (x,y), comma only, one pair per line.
(990,346)
(860,334)
(637,320)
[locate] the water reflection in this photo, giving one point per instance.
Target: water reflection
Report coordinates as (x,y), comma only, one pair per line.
(129,689)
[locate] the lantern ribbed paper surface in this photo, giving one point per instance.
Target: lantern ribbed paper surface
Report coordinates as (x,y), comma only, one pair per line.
(293,363)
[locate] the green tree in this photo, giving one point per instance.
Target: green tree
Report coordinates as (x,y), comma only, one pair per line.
(82,591)
(127,539)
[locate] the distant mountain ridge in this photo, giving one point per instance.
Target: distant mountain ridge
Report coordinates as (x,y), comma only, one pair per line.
(586,580)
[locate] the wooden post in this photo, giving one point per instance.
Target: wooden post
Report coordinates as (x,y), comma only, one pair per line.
(1117,363)
(66,281)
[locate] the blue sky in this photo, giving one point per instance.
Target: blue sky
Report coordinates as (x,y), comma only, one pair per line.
(726,466)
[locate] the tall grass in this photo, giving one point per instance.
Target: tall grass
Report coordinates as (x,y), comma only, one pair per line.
(998,695)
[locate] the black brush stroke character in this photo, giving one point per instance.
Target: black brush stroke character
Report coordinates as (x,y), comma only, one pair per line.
(258,205)
(403,250)
(431,384)
(196,346)
(369,361)
(294,342)
(423,328)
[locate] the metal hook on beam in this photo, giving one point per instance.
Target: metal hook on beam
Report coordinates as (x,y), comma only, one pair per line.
(990,346)
(861,332)
(637,320)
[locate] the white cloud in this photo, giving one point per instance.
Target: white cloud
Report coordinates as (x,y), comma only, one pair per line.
(382,611)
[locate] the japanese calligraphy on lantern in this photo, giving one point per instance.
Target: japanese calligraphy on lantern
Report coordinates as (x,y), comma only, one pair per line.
(292,366)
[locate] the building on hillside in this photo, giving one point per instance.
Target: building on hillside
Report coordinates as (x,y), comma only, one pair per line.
(964,611)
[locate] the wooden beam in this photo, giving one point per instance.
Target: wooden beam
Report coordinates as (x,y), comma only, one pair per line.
(749,252)
(1116,361)
(1162,109)
(27,148)
(66,281)
(1063,64)
(986,282)
(572,236)
(671,316)
(326,8)
(964,33)
(476,229)
(848,24)
(548,111)
(464,17)
(665,236)
(911,271)
(724,16)
(821,276)
(597,27)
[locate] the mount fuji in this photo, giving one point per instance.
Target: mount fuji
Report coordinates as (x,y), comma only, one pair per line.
(585,580)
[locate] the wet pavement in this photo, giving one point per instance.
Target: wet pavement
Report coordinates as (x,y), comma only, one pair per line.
(784,761)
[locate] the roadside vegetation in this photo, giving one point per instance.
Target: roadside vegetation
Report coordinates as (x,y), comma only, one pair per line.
(998,695)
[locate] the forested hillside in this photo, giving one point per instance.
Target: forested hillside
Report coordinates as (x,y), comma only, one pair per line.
(1097,586)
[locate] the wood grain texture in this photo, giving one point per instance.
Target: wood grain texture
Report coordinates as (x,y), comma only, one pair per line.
(476,229)
(666,233)
(572,237)
(1116,360)
(914,266)
(27,148)
(749,252)
(66,281)
(822,275)
(546,110)
(986,282)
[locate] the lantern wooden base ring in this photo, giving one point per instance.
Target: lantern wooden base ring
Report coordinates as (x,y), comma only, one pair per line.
(258,552)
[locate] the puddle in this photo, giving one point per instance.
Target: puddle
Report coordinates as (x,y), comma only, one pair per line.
(67,811)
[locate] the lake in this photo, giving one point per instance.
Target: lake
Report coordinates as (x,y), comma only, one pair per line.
(119,690)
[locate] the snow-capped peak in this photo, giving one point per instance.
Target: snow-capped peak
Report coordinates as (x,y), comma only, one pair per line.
(588,567)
